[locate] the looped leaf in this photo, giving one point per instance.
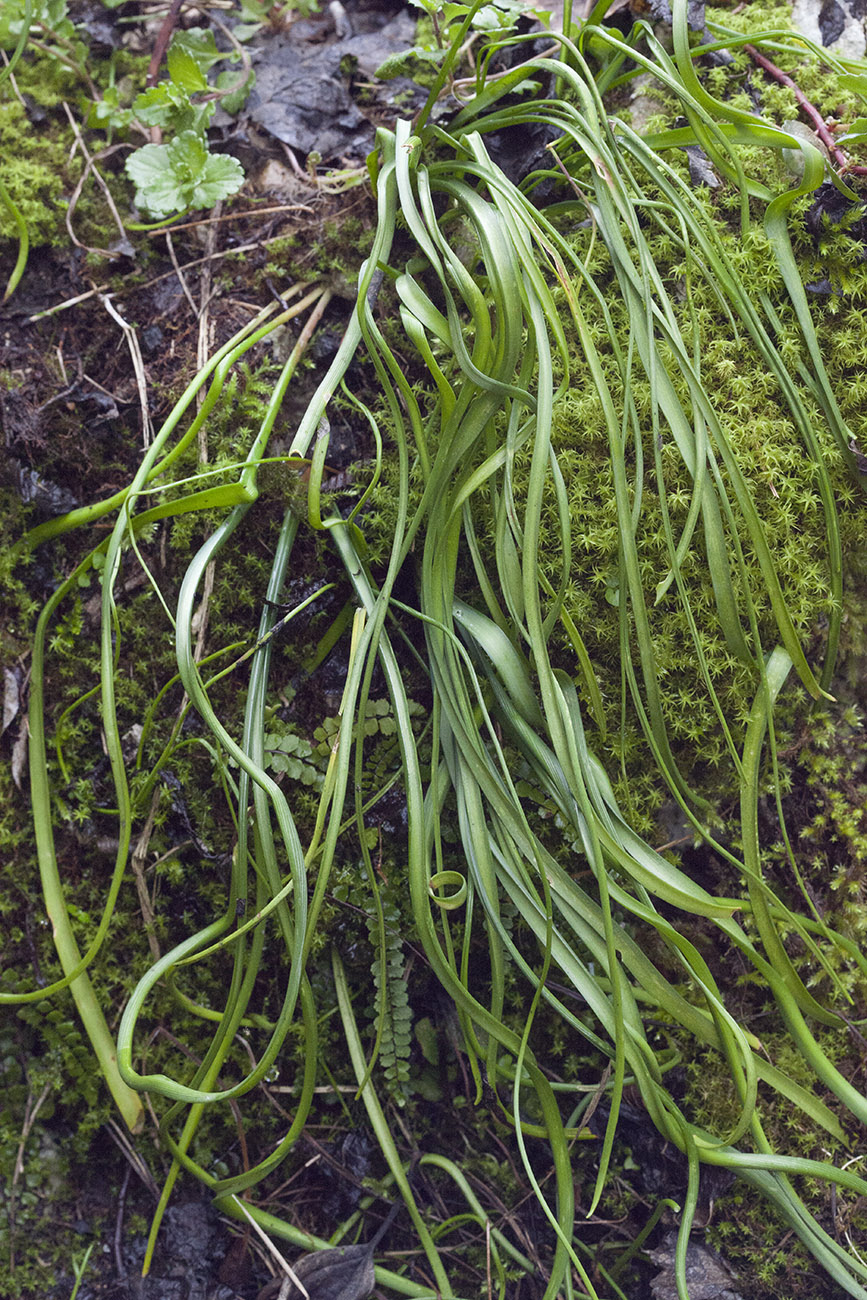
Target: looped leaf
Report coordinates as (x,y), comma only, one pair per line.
(441,880)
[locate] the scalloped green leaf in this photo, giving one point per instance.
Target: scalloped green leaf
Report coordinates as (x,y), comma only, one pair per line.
(182,175)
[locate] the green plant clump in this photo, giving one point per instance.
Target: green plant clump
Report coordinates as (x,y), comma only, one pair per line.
(608,554)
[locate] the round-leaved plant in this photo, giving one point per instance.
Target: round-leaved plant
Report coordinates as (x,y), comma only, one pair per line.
(182,175)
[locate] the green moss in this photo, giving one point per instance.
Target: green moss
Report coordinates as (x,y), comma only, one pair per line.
(334,256)
(36,170)
(39,163)
(753,1239)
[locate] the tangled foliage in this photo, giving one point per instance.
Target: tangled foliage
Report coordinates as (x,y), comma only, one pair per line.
(626,555)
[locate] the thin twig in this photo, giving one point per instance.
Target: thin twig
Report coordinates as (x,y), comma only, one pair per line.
(31,1110)
(162,42)
(294,163)
(200,618)
(179,272)
(246,61)
(234,216)
(140,288)
(12,82)
(205,343)
(54,53)
(68,302)
(64,392)
(226,252)
(100,388)
(132,1157)
(90,166)
(810,110)
(118,1225)
(137,365)
(137,862)
(272,1249)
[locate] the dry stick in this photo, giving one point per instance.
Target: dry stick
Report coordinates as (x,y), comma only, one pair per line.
(162,42)
(100,387)
(206,331)
(12,82)
(137,862)
(253,307)
(294,163)
(54,53)
(179,272)
(810,110)
(90,166)
(31,1110)
(186,266)
(246,61)
(135,1161)
(137,365)
(64,392)
(235,216)
(272,1249)
(508,1217)
(118,1226)
(68,302)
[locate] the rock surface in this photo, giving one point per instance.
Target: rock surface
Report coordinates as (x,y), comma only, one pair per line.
(836,24)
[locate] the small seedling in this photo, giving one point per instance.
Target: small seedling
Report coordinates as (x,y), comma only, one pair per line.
(78,1268)
(184,175)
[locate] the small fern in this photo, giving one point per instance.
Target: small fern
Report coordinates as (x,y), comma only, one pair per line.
(380,727)
(393,1012)
(290,753)
(378,721)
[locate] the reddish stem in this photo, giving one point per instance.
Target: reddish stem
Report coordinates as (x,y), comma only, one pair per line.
(811,111)
(162,42)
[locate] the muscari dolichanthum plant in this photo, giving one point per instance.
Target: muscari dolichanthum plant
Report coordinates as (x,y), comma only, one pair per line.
(599,561)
